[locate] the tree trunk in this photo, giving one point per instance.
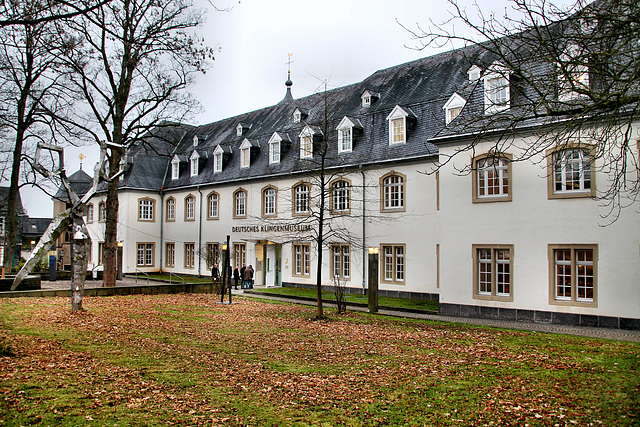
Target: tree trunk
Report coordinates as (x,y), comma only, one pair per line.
(79,272)
(111,223)
(11,219)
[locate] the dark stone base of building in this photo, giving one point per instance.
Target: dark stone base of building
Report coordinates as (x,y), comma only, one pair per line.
(535,316)
(359,291)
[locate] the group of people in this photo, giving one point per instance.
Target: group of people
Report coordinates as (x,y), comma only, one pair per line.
(245,273)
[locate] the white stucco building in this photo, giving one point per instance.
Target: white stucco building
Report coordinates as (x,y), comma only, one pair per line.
(515,240)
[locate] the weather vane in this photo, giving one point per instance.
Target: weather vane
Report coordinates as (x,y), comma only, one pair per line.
(81,157)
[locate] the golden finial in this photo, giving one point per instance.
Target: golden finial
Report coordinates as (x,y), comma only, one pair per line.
(81,157)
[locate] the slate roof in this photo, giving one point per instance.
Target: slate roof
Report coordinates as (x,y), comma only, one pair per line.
(80,182)
(4,193)
(34,228)
(421,87)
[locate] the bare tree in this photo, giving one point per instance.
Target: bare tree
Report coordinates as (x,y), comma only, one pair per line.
(136,59)
(574,75)
(28,57)
(49,10)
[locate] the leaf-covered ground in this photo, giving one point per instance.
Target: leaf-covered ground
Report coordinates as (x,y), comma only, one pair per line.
(184,359)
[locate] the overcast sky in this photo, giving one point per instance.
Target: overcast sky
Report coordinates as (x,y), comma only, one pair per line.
(341,41)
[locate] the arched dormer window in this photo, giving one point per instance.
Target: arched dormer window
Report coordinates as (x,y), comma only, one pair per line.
(175,167)
(195,163)
(306,142)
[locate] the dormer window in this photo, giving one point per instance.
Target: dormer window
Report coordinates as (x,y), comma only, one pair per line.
(496,89)
(195,141)
(453,107)
(299,114)
(275,148)
(241,128)
(398,125)
(474,73)
(306,142)
(195,163)
(345,133)
(217,159)
(573,74)
(245,154)
(175,168)
(368,97)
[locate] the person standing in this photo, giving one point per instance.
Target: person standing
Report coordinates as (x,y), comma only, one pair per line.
(250,277)
(242,270)
(215,273)
(248,274)
(236,276)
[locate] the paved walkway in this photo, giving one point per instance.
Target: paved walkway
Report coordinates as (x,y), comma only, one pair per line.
(611,334)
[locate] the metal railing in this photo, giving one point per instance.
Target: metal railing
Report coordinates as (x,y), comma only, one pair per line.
(142,272)
(174,274)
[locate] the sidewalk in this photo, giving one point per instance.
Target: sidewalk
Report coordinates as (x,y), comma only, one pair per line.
(604,333)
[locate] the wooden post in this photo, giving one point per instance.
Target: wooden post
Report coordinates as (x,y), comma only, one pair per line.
(373,280)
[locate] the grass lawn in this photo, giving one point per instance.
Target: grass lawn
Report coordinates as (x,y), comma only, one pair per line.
(183,359)
(330,296)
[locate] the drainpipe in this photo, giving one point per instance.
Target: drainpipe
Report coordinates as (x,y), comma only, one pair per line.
(364,222)
(200,234)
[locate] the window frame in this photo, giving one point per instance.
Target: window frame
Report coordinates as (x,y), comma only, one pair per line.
(295,204)
(102,212)
(573,300)
(239,255)
(265,204)
(274,154)
(333,199)
(195,164)
(190,255)
(345,145)
(339,259)
(496,73)
(148,248)
(493,294)
(236,204)
(551,172)
(476,174)
(89,215)
(175,169)
(210,197)
(394,263)
(170,254)
(218,159)
(187,199)
(150,211)
(301,256)
(383,192)
(170,206)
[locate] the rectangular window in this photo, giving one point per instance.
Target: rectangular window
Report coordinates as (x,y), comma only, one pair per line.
(145,254)
(269,202)
(241,204)
(306,147)
(171,209)
(493,271)
(452,113)
(397,129)
(496,91)
(345,140)
(302,259)
(194,167)
(340,197)
(393,264)
(217,162)
(190,208)
(170,254)
(189,255)
(175,170)
(491,178)
(341,260)
(274,152)
(392,192)
(145,210)
(89,214)
(573,272)
(239,254)
(301,199)
(245,157)
(213,254)
(572,171)
(212,204)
